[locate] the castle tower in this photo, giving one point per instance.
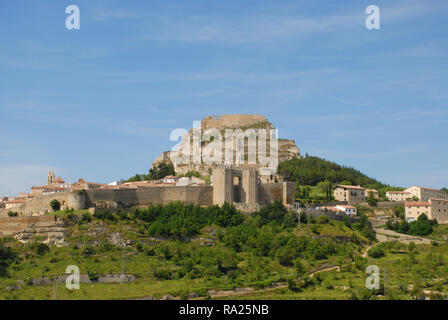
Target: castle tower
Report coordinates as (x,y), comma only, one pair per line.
(51,178)
(222,185)
(250,186)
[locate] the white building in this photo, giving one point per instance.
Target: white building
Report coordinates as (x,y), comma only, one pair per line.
(433,209)
(398,195)
(347,209)
(424,194)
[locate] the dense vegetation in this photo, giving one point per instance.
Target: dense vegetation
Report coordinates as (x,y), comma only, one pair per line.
(179,249)
(183,220)
(311,170)
(7,257)
(420,227)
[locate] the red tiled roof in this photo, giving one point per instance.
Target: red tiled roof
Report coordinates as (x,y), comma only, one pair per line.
(399,192)
(39,187)
(438,199)
(16,201)
(415,204)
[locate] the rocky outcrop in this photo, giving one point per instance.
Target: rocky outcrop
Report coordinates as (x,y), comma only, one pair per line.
(287,149)
(46,229)
(51,233)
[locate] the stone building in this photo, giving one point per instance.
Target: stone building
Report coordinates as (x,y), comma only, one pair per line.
(372,192)
(54,185)
(350,194)
(433,208)
(424,194)
(242,187)
(82,184)
(398,195)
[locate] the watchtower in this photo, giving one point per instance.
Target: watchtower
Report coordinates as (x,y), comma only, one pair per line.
(235,185)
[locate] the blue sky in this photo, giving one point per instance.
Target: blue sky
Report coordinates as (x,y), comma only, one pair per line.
(100,102)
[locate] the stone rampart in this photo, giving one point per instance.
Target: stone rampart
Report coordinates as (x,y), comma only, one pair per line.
(200,195)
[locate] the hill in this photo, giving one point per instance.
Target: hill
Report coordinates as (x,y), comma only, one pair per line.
(311,170)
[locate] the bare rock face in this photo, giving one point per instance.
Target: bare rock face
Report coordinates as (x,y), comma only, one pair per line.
(287,149)
(52,233)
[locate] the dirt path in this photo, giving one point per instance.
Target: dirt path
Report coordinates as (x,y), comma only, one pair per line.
(247,291)
(384,235)
(325,270)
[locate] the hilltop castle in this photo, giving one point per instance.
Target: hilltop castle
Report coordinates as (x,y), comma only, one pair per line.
(239,167)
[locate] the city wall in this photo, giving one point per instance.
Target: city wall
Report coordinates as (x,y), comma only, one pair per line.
(200,195)
(270,192)
(40,205)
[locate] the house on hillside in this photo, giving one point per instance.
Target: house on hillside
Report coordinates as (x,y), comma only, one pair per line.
(372,192)
(424,194)
(398,195)
(346,209)
(433,208)
(350,194)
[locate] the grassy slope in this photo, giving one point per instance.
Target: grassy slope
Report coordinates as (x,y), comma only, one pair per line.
(335,285)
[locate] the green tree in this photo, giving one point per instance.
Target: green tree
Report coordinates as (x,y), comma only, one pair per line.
(161,171)
(55,205)
(376,252)
(301,268)
(312,170)
(371,200)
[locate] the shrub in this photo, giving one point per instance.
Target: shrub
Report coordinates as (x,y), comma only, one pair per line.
(323,219)
(376,252)
(12,214)
(292,285)
(276,213)
(41,248)
(88,251)
(7,257)
(123,215)
(55,205)
(104,215)
(86,217)
(93,276)
(162,274)
(300,267)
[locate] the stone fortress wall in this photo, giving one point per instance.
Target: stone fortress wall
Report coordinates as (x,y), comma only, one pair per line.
(227,121)
(40,205)
(234,185)
(200,195)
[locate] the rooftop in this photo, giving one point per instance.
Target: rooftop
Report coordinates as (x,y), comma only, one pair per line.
(417,204)
(398,192)
(350,187)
